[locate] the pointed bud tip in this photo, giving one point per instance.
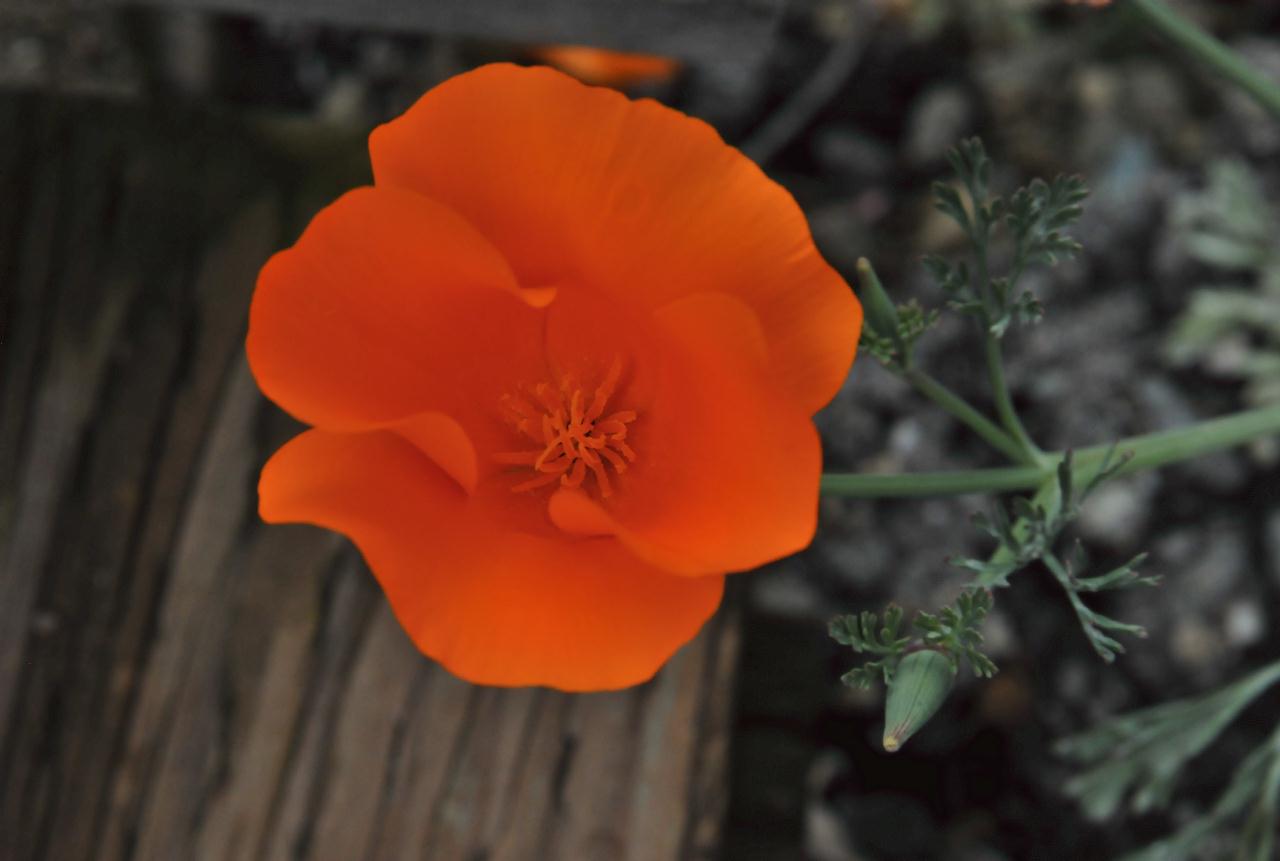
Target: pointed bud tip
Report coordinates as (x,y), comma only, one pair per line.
(918,688)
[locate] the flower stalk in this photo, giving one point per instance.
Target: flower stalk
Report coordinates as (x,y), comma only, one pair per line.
(1147,451)
(966,413)
(1028,451)
(897,341)
(1203,47)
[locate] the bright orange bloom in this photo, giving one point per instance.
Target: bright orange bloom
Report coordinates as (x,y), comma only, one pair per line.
(608,68)
(560,360)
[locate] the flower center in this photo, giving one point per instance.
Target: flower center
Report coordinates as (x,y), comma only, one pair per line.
(573,437)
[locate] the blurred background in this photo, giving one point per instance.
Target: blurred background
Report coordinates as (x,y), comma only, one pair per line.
(177,681)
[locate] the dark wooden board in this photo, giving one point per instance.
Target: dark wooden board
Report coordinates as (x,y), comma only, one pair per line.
(179,681)
(715,34)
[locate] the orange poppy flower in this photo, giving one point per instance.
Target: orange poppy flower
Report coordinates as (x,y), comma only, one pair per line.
(560,362)
(608,68)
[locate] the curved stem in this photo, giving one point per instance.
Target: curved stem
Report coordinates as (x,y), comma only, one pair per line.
(1208,50)
(1148,451)
(961,409)
(1029,451)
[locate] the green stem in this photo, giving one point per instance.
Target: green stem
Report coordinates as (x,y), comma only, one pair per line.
(961,409)
(1208,50)
(867,485)
(1029,452)
(1060,573)
(1147,452)
(1165,447)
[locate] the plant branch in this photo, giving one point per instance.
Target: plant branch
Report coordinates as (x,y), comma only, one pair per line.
(1029,451)
(872,486)
(1171,446)
(1148,452)
(962,410)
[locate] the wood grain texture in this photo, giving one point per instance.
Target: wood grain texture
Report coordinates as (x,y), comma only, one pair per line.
(704,31)
(180,681)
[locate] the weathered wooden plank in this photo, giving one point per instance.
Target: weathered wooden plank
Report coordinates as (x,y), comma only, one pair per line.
(172,748)
(221,288)
(179,680)
(417,779)
(300,788)
(59,409)
(239,809)
(709,31)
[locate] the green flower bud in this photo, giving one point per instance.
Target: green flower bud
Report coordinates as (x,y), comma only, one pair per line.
(920,683)
(882,317)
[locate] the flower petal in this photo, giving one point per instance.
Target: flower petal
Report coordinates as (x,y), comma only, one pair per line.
(608,68)
(579,184)
(496,607)
(389,306)
(727,469)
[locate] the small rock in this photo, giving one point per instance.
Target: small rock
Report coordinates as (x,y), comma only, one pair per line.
(382,58)
(849,433)
(1194,644)
(941,116)
(1230,356)
(1098,89)
(1265,451)
(344,101)
(1006,699)
(894,827)
(1074,681)
(1116,514)
(1154,102)
(999,639)
(1088,685)
(862,562)
(1204,566)
(1244,623)
(851,155)
(826,831)
(905,437)
(1222,472)
(826,835)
